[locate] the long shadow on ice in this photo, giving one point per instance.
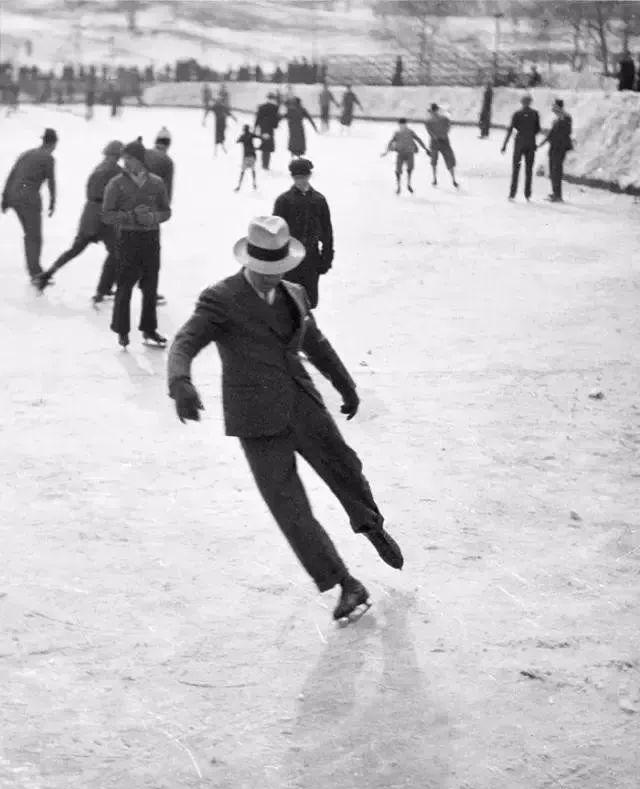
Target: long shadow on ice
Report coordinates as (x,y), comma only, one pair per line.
(367,718)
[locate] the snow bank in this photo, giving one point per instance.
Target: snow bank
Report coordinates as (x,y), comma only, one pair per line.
(606,123)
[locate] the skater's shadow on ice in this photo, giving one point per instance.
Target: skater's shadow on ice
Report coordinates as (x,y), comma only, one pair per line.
(150,374)
(44,307)
(367,719)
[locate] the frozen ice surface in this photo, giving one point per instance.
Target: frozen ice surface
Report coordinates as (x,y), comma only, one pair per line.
(157,631)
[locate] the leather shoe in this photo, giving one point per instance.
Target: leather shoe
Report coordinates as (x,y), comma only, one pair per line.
(353,595)
(388,549)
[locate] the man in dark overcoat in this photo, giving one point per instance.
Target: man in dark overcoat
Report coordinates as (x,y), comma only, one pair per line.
(266,123)
(91,228)
(307,213)
(260,323)
(560,143)
(526,124)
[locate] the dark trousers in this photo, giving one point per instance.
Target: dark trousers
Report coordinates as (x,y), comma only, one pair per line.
(266,159)
(556,171)
(30,217)
(138,260)
(314,435)
(307,274)
(529,155)
(80,243)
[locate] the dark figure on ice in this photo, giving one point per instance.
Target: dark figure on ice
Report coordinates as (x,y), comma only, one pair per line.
(207,97)
(295,116)
(260,324)
(246,139)
(220,112)
(560,143)
(349,101)
(92,229)
(484,121)
(526,124)
(136,202)
(438,126)
(160,163)
(224,96)
(326,100)
(626,72)
(115,98)
(306,212)
(22,193)
(405,144)
(266,123)
(90,97)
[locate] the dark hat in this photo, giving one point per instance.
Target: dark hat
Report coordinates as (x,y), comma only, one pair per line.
(402,120)
(558,103)
(300,167)
(272,97)
(49,136)
(135,149)
(113,148)
(434,108)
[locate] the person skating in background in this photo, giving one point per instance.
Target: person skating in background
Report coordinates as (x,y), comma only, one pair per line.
(246,139)
(405,144)
(207,97)
(223,96)
(307,214)
(349,102)
(13,94)
(295,116)
(266,123)
(326,99)
(220,112)
(136,203)
(438,126)
(289,98)
(92,229)
(560,143)
(161,164)
(526,124)
(90,96)
(260,324)
(22,193)
(115,98)
(626,72)
(484,121)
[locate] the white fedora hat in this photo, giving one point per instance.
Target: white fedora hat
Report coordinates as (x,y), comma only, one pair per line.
(268,247)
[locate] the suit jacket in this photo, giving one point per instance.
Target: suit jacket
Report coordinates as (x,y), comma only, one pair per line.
(261,369)
(560,134)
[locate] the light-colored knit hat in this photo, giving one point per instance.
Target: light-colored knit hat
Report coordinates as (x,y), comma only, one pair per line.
(163,135)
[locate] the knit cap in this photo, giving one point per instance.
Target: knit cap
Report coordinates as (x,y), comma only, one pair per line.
(135,149)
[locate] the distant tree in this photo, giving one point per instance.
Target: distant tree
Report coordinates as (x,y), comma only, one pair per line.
(413,25)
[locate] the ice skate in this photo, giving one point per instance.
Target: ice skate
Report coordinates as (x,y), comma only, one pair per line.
(387,548)
(160,299)
(97,298)
(123,340)
(410,189)
(353,602)
(42,281)
(154,339)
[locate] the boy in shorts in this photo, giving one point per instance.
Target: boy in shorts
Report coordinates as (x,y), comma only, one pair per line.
(405,143)
(248,155)
(438,126)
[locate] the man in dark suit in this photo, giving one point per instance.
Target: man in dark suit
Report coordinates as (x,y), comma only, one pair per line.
(526,123)
(267,120)
(260,323)
(307,214)
(560,143)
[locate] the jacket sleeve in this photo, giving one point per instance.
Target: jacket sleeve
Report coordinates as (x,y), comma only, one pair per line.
(8,183)
(280,208)
(206,325)
(169,182)
(327,235)
(164,209)
(111,214)
(51,182)
(321,354)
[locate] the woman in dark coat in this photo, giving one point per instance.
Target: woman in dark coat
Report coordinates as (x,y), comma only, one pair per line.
(295,116)
(220,112)
(485,112)
(349,101)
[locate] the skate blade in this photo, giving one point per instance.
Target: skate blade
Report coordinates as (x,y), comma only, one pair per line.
(357,613)
(158,346)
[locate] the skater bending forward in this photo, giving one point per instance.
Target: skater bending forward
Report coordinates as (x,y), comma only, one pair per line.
(260,323)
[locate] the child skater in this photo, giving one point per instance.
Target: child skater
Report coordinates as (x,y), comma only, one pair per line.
(249,155)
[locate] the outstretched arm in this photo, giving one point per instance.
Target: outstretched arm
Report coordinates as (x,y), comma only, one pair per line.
(321,354)
(7,187)
(51,183)
(420,142)
(311,121)
(509,133)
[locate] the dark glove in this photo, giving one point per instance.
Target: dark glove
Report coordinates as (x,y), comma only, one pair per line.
(5,206)
(350,403)
(188,403)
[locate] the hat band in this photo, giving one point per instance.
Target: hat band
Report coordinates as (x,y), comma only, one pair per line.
(268,255)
